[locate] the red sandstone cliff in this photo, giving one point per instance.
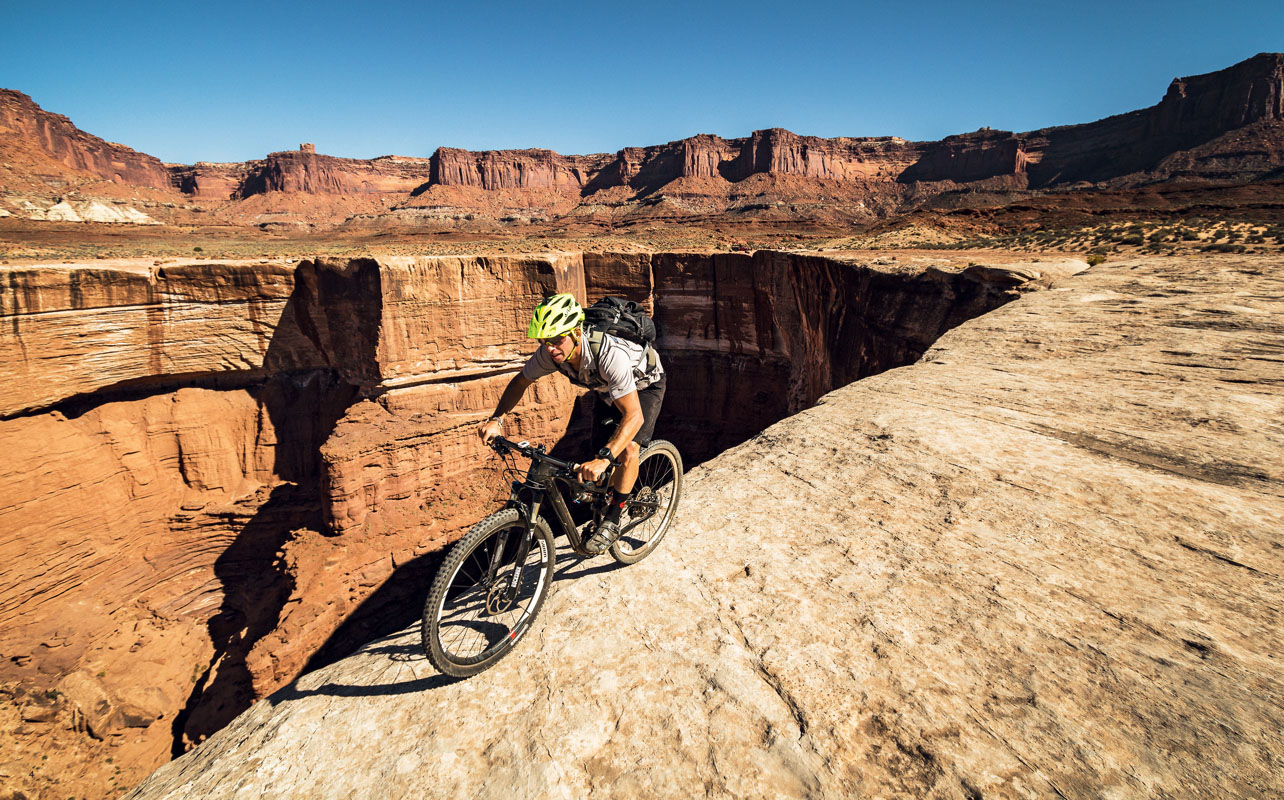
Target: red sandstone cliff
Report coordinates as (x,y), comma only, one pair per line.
(513,169)
(26,130)
(1233,117)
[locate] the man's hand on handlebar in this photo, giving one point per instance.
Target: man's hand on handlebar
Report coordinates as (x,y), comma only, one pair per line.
(490,429)
(591,471)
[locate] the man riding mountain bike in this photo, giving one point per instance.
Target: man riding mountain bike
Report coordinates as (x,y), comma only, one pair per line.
(628,380)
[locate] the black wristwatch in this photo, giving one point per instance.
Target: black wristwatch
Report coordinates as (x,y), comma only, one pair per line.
(605,452)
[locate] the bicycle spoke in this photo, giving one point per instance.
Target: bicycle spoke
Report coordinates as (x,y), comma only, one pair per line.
(468,629)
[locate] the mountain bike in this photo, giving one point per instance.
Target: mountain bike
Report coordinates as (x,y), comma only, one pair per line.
(494,580)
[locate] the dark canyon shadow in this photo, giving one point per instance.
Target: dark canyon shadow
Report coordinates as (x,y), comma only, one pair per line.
(399,600)
(303,407)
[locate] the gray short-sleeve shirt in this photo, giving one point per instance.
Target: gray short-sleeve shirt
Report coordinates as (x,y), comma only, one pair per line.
(625,367)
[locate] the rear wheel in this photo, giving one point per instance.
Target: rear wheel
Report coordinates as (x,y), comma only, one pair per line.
(482,600)
(655,498)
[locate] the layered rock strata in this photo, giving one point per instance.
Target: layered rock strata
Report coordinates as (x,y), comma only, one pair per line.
(1040,562)
(254,466)
(1225,126)
(1194,110)
(82,329)
(55,137)
(161,503)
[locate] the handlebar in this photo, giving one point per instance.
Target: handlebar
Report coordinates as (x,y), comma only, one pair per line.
(569,469)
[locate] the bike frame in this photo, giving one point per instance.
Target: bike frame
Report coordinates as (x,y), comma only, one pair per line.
(543,481)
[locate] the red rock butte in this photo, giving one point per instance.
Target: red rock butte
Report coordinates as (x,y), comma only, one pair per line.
(1221,127)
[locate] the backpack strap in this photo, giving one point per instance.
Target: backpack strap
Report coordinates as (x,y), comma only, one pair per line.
(595,344)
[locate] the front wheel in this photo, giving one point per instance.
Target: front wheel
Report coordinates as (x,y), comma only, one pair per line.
(655,498)
(483,600)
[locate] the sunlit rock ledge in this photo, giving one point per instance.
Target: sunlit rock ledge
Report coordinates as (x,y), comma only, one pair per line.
(1044,560)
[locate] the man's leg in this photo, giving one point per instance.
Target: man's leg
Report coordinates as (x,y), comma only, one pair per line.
(626,475)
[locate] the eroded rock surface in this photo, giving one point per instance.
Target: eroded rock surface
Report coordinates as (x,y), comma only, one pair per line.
(221,473)
(162,519)
(1043,561)
(1221,127)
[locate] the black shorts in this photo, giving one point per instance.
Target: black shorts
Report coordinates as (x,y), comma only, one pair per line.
(606,416)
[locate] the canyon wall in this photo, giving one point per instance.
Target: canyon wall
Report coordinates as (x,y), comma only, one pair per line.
(1193,111)
(305,172)
(310,173)
(161,503)
(1222,126)
(26,128)
(512,169)
(222,473)
(749,339)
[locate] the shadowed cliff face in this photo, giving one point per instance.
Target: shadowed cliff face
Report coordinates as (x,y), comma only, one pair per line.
(247,469)
(1043,561)
(751,339)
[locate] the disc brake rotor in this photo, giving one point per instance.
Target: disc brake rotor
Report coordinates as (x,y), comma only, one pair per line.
(500,598)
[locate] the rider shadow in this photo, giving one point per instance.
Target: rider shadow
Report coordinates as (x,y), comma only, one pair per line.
(396,652)
(568,566)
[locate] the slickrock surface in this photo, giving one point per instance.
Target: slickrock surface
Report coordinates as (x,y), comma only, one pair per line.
(1044,561)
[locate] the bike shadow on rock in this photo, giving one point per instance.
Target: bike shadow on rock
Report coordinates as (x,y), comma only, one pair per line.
(402,645)
(395,650)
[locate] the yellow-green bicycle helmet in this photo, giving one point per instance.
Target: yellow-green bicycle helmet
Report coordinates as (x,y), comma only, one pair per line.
(555,316)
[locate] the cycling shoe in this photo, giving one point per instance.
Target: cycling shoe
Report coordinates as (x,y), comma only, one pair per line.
(605,535)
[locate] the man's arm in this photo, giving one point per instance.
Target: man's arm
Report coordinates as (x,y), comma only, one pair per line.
(629,426)
(507,402)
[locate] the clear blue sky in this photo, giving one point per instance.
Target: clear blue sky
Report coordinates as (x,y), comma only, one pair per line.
(231,81)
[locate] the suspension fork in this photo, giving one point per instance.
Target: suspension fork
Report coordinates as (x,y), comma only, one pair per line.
(529,513)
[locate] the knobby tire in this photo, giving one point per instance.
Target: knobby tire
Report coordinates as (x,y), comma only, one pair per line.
(467,626)
(656,494)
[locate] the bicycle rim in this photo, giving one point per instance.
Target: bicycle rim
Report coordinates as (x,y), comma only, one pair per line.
(477,617)
(656,492)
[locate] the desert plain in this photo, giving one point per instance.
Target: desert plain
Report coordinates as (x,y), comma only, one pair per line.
(984,497)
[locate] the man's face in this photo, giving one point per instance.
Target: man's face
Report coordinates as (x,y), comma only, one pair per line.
(559,347)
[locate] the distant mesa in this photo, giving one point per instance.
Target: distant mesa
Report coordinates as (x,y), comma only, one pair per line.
(1225,126)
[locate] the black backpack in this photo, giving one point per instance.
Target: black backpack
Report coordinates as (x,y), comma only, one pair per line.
(622,318)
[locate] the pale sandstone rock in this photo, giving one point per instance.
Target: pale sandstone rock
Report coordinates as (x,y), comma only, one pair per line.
(76,329)
(1044,561)
(94,211)
(61,212)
